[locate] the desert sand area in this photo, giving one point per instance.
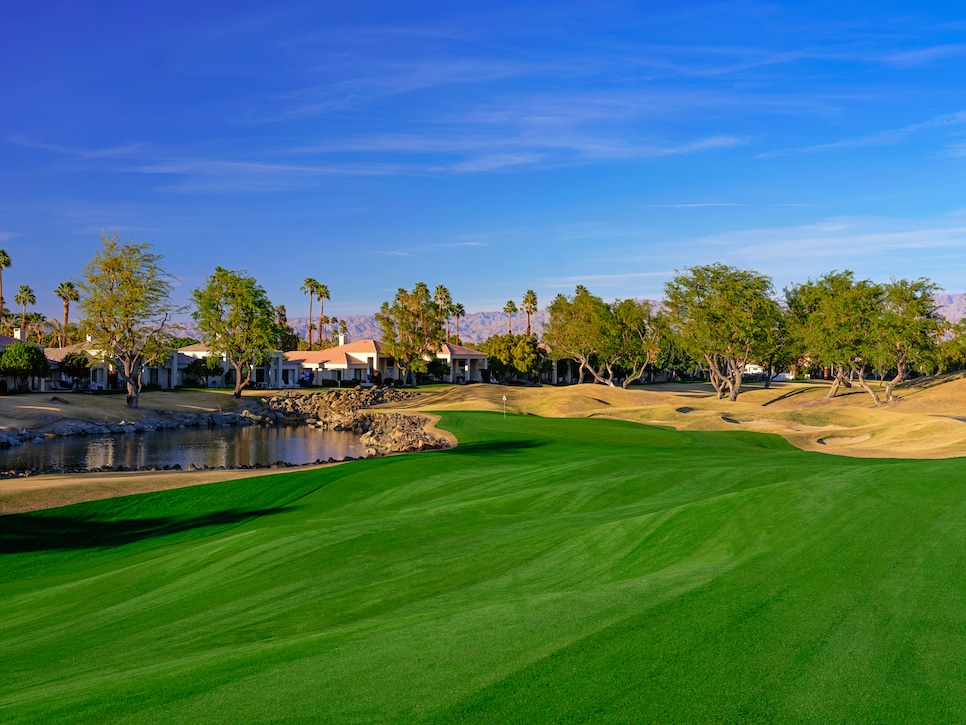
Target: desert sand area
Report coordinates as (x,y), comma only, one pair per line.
(928,421)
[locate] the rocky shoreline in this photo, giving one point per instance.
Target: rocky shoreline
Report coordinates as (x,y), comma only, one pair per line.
(345,409)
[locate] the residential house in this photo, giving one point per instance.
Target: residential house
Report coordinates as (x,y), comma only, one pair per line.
(355,362)
(276,372)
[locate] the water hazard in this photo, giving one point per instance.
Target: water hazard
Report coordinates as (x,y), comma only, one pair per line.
(211,447)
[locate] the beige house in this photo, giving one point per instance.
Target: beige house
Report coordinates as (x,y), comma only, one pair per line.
(355,363)
(167,374)
(277,372)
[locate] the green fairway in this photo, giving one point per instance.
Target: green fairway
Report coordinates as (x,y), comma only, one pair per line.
(545,570)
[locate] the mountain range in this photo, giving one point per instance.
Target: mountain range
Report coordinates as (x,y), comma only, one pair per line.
(478,326)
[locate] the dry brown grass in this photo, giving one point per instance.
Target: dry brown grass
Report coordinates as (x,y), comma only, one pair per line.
(36,410)
(923,424)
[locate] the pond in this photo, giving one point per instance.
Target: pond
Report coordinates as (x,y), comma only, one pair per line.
(211,447)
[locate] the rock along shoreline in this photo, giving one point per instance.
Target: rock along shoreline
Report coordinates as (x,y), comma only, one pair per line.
(343,409)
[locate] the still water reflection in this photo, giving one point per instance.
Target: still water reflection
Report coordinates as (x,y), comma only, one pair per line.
(211,447)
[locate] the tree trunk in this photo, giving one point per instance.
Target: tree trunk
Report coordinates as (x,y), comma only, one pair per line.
(734,384)
(63,332)
(310,322)
(837,381)
(715,377)
(126,372)
(863,383)
(239,382)
(900,376)
(769,372)
(636,374)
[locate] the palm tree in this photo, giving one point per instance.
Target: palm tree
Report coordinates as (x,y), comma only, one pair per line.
(308,287)
(322,292)
(68,293)
(458,312)
(37,324)
(529,306)
(25,296)
(510,308)
(4,263)
(443,300)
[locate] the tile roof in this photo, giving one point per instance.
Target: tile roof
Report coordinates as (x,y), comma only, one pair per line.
(352,353)
(57,354)
(460,350)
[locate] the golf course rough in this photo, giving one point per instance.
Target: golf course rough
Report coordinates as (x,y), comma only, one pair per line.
(546,570)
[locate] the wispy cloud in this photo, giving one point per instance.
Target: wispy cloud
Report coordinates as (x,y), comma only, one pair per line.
(392,253)
(876,247)
(835,237)
(462,244)
(122,151)
(880,138)
(924,56)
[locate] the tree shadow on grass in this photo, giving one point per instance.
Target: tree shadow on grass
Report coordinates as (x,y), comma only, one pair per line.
(494,447)
(32,532)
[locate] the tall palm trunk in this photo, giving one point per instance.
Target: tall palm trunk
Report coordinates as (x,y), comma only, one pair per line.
(311,297)
(63,331)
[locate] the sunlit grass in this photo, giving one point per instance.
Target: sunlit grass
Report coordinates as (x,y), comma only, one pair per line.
(544,571)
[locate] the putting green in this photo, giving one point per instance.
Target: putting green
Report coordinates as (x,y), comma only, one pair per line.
(544,571)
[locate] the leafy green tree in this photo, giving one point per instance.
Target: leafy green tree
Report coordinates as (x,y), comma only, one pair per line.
(126,308)
(202,368)
(671,357)
(22,361)
(576,329)
(909,327)
(529,306)
(4,264)
(509,356)
(179,342)
(608,341)
(836,319)
(721,315)
(25,296)
(67,291)
(411,329)
(775,349)
(75,365)
(634,340)
(437,368)
(237,321)
(950,353)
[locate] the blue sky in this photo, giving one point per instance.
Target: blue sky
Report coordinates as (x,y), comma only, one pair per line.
(491,147)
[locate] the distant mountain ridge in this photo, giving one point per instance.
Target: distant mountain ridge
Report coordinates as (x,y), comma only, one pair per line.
(478,326)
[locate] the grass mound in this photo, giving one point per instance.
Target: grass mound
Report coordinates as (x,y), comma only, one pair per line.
(545,570)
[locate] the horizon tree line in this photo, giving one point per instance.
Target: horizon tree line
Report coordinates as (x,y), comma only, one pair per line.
(720,318)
